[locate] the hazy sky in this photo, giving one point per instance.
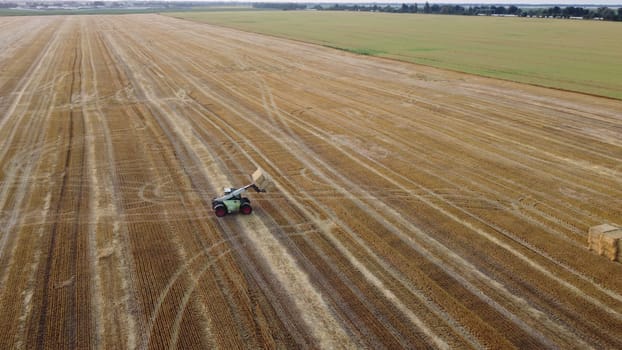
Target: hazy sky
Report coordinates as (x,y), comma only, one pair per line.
(535,2)
(517,2)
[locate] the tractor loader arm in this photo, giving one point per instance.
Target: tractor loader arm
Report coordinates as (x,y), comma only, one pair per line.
(238,192)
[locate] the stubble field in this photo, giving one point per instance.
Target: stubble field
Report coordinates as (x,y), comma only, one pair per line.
(410,207)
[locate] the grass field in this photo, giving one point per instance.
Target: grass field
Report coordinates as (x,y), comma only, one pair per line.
(579,56)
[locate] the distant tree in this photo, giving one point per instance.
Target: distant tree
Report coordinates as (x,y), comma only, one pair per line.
(606,13)
(568,11)
(500,10)
(449,9)
(556,11)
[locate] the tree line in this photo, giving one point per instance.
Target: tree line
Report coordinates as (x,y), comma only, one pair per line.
(603,13)
(280,5)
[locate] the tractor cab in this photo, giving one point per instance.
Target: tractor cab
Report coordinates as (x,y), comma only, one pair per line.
(234,196)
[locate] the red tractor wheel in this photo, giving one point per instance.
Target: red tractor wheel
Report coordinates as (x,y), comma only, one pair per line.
(246,209)
(220,210)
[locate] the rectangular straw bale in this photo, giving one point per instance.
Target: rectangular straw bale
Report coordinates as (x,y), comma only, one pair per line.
(595,234)
(260,179)
(593,241)
(610,244)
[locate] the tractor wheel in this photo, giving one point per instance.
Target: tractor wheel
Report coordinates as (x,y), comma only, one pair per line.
(246,208)
(220,210)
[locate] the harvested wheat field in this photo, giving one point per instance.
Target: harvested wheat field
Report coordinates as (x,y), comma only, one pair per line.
(409,207)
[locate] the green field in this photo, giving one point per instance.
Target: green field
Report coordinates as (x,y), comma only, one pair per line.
(584,56)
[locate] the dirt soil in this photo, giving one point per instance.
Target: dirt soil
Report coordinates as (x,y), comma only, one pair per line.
(411,207)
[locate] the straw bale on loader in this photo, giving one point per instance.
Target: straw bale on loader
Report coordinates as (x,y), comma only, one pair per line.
(261,179)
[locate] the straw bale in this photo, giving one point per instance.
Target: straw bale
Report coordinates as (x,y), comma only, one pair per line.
(593,241)
(595,234)
(606,240)
(610,244)
(260,179)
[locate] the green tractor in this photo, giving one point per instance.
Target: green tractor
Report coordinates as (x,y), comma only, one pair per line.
(233,202)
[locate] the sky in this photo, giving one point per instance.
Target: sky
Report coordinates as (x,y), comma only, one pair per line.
(488,2)
(515,2)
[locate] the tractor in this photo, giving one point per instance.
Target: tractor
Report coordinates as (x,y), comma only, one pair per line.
(232,200)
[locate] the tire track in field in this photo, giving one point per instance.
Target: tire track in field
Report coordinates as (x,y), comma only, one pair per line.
(371,87)
(273,110)
(358,157)
(407,312)
(10,175)
(317,204)
(484,118)
(123,245)
(96,198)
(329,79)
(284,268)
(388,171)
(19,44)
(449,137)
(16,198)
(316,277)
(411,207)
(498,195)
(433,175)
(114,242)
(424,151)
(398,231)
(580,276)
(13,198)
(64,274)
(161,107)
